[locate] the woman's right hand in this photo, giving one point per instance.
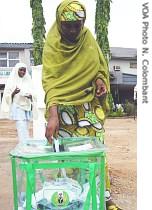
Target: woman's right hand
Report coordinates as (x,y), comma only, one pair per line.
(52,128)
(17,90)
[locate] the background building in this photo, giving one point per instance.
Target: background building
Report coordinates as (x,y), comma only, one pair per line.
(122,67)
(123,73)
(10,54)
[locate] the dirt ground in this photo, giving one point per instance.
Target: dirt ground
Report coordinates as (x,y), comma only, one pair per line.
(121,142)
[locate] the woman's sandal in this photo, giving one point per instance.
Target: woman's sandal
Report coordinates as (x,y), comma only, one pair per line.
(113,207)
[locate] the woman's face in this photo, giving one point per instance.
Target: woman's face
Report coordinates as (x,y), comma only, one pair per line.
(71,29)
(22,71)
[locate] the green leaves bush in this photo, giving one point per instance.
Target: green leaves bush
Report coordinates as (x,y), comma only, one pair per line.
(130,108)
(38,30)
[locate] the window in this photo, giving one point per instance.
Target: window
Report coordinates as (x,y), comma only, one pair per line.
(9,59)
(3,59)
(13,58)
(13,55)
(12,63)
(133,65)
(3,63)
(31,58)
(116,68)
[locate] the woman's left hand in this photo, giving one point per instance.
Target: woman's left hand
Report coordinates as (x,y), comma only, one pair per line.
(29,96)
(100,88)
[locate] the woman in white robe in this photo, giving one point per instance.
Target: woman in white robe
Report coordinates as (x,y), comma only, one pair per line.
(19,100)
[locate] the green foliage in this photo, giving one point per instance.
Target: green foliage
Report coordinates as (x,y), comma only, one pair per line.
(111,102)
(102,19)
(120,110)
(116,114)
(130,108)
(38,30)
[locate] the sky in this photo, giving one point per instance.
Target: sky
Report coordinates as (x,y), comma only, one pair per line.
(16,20)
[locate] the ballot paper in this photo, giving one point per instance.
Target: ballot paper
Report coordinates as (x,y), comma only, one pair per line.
(83,147)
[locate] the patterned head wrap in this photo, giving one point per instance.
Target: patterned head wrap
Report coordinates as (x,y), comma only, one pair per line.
(73,12)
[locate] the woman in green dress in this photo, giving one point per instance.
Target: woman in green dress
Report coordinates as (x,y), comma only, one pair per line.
(75,77)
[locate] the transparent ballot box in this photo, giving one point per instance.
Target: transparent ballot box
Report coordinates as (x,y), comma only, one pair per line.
(68,175)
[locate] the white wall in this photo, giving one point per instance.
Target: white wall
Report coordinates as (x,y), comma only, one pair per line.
(39,124)
(24,56)
(124,66)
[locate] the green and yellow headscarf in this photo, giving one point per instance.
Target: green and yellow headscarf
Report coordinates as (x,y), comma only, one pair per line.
(70,10)
(70,71)
(73,12)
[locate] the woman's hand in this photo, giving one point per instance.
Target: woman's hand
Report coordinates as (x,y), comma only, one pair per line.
(52,128)
(29,96)
(100,88)
(17,90)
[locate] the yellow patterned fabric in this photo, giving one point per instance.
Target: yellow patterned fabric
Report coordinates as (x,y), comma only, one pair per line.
(83,120)
(73,12)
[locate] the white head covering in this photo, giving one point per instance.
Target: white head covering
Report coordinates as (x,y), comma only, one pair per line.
(15,80)
(24,84)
